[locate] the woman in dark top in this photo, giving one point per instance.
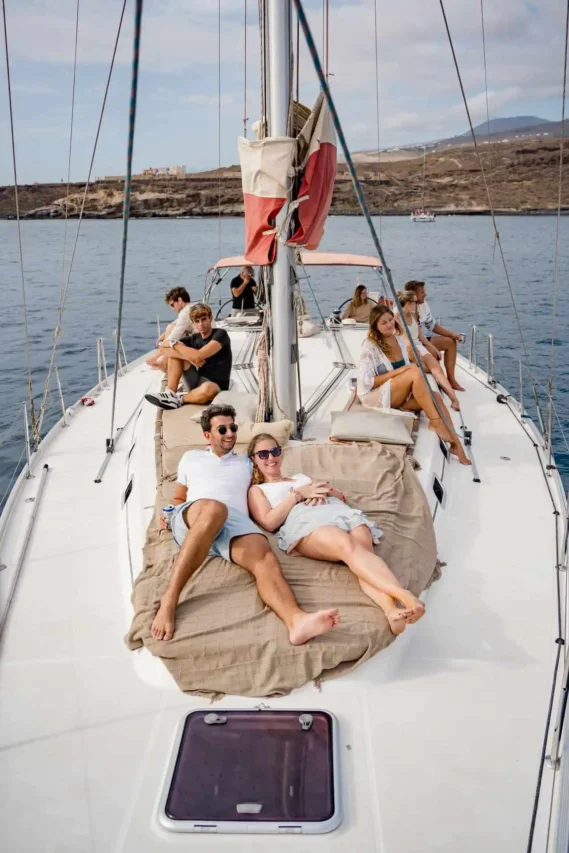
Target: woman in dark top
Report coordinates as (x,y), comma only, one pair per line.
(244,290)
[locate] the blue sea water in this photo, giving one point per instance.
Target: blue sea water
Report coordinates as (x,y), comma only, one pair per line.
(456,256)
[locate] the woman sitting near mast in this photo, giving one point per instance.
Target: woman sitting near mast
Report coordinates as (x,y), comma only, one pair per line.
(429,354)
(387,379)
(313,519)
(360,307)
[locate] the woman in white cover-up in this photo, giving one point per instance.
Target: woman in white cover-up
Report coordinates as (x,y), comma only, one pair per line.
(387,379)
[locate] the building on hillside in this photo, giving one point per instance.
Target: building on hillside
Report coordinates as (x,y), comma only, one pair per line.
(163,172)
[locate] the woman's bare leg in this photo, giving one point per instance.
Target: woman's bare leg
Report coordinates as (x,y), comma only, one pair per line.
(416,385)
(434,368)
(335,545)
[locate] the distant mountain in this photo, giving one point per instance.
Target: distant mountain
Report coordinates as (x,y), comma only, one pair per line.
(506,125)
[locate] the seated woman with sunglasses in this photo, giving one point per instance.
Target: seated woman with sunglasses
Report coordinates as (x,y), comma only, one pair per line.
(313,519)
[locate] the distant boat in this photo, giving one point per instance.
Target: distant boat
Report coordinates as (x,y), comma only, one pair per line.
(422,215)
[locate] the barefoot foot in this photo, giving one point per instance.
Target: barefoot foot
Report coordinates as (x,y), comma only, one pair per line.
(454,384)
(454,404)
(309,625)
(438,426)
(458,450)
(163,625)
(398,619)
(411,603)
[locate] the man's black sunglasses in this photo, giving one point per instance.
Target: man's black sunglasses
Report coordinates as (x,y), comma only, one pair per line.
(264,454)
(223,429)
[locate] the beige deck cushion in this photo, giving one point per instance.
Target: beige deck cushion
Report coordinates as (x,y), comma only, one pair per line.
(364,425)
(245,405)
(227,641)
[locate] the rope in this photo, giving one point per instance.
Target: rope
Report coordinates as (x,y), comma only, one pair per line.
(361,199)
(556,267)
(70,148)
(263,59)
(57,331)
(17,204)
(377,107)
(126,208)
(245,75)
(490,203)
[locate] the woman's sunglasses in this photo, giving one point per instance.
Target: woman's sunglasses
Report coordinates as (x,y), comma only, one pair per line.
(223,429)
(264,454)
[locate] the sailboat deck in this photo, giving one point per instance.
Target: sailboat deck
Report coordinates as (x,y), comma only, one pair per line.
(86,726)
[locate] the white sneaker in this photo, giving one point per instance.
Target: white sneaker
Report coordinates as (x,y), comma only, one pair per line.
(165,399)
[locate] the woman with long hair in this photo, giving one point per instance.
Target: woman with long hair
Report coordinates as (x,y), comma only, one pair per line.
(387,379)
(360,307)
(314,519)
(429,354)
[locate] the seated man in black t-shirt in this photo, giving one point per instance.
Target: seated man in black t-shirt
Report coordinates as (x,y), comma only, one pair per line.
(203,360)
(244,290)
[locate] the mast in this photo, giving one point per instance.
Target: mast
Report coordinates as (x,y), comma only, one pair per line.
(282,308)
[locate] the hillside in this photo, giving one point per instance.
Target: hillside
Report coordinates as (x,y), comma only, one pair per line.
(523,177)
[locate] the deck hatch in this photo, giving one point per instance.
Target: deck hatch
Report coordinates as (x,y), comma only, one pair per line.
(253,771)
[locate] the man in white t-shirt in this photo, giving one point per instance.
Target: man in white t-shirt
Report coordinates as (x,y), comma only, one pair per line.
(213,518)
(443,339)
(178,299)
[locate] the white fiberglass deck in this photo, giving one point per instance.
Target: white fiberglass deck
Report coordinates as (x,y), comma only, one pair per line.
(440,734)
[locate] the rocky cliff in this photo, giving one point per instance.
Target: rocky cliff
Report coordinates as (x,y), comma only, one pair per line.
(523,177)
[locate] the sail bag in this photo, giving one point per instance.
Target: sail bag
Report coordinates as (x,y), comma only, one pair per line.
(266,167)
(316,172)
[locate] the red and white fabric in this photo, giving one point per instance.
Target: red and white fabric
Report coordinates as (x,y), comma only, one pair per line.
(266,168)
(317,156)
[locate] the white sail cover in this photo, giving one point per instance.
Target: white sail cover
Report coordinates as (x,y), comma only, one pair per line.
(266,167)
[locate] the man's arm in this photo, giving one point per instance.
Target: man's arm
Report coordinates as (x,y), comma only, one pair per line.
(440,330)
(237,291)
(192,355)
(179,498)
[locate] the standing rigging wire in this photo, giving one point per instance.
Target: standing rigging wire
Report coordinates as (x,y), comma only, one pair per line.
(377,107)
(70,147)
(361,198)
(245,75)
(326,37)
(486,91)
(297,60)
(17,205)
(65,290)
(126,207)
(490,202)
(557,233)
(219,127)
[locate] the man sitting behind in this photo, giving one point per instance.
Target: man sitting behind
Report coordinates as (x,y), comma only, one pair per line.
(178,299)
(203,360)
(443,339)
(213,518)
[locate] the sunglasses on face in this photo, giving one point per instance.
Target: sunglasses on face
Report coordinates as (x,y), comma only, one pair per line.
(223,429)
(264,454)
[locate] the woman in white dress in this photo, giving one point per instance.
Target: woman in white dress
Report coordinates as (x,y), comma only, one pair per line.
(387,379)
(314,519)
(429,354)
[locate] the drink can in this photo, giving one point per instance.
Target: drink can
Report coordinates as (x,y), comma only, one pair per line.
(167,513)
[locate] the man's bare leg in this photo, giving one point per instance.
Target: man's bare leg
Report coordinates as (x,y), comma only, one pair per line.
(175,369)
(448,346)
(252,552)
(204,393)
(204,519)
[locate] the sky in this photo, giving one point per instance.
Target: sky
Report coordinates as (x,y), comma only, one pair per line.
(178,105)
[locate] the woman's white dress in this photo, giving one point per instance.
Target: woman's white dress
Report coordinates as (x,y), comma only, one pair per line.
(374,362)
(303,520)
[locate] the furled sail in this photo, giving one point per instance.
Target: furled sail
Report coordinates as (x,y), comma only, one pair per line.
(316,172)
(266,167)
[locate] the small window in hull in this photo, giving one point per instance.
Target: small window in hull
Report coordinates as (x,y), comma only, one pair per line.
(438,489)
(271,768)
